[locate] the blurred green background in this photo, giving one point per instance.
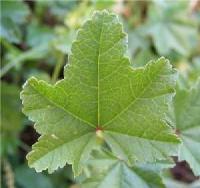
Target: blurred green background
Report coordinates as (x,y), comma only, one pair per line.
(36,38)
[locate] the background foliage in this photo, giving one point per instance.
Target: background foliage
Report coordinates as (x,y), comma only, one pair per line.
(36,37)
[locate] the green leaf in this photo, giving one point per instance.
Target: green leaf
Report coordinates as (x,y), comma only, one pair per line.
(13,13)
(171,28)
(137,41)
(187,121)
(17,11)
(10,31)
(101,95)
(108,171)
(27,178)
(38,34)
(142,57)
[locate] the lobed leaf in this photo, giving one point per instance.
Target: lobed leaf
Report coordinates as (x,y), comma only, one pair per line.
(101,95)
(108,171)
(187,121)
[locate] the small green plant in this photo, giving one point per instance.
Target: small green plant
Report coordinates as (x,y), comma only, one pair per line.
(105,115)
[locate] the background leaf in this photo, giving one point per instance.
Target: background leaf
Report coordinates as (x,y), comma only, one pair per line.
(109,171)
(187,121)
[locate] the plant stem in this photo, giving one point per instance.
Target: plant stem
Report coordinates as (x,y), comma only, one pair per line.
(9,174)
(58,67)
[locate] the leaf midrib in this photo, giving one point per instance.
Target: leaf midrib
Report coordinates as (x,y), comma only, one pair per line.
(139,137)
(98,71)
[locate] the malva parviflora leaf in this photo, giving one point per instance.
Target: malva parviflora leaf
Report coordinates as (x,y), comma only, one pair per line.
(105,170)
(187,121)
(101,95)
